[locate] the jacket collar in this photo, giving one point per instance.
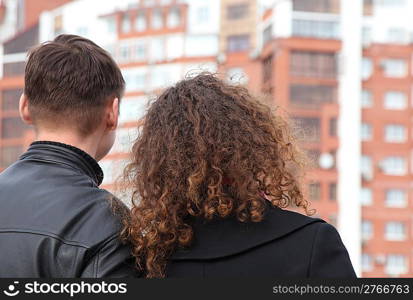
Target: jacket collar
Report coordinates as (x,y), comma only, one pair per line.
(65,154)
(224,237)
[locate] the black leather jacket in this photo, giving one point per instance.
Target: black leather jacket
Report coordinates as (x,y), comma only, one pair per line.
(55,221)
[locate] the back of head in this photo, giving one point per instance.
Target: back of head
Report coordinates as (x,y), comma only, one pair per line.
(68,82)
(207,149)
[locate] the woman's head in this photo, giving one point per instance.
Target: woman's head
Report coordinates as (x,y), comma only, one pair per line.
(206,149)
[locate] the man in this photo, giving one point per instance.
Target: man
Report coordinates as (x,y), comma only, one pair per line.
(54,219)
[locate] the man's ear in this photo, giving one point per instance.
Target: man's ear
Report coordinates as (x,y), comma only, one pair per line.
(24,110)
(113,115)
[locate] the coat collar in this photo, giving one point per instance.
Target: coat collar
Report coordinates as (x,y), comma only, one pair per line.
(224,237)
(65,154)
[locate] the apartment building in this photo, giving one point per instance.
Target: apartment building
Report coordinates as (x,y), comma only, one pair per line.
(341,70)
(344,72)
(19,30)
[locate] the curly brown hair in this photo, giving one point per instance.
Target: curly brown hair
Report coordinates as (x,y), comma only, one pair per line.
(206,149)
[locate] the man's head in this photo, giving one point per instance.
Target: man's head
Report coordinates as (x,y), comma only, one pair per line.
(73,85)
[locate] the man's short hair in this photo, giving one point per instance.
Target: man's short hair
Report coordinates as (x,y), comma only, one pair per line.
(69,81)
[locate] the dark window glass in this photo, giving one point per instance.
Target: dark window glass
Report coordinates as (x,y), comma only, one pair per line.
(310,128)
(314,191)
(238,43)
(267,68)
(237,11)
(10,99)
(23,41)
(12,128)
(333,127)
(14,69)
(312,96)
(332,191)
(314,156)
(9,155)
(323,6)
(313,64)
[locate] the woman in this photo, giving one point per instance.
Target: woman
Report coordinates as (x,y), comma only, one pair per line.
(211,171)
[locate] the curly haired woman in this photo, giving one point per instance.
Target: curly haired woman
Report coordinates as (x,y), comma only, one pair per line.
(212,170)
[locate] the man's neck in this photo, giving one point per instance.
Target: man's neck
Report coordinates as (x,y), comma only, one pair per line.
(87,144)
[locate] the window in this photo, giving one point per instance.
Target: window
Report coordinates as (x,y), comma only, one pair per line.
(124,140)
(366,132)
(313,64)
(111,25)
(314,191)
(135,79)
(366,99)
(321,6)
(237,11)
(237,75)
(157,51)
(157,19)
(12,127)
(366,167)
(366,197)
(203,14)
(332,128)
(395,231)
(395,100)
(396,198)
(310,128)
(332,191)
(396,264)
(238,43)
(366,262)
(139,51)
(394,67)
(366,68)
(140,22)
(175,46)
(394,165)
(174,17)
(124,53)
(14,69)
(319,29)
(394,133)
(132,109)
(112,169)
(209,45)
(394,3)
(10,99)
(396,35)
(366,230)
(9,154)
(267,69)
(366,35)
(312,96)
(126,23)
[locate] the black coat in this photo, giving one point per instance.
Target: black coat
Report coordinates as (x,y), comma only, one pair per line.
(55,221)
(285,244)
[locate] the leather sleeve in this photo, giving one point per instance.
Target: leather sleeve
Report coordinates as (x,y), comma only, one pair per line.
(113,260)
(329,257)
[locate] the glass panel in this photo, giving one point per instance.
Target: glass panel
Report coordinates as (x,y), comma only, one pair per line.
(9,155)
(13,128)
(10,99)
